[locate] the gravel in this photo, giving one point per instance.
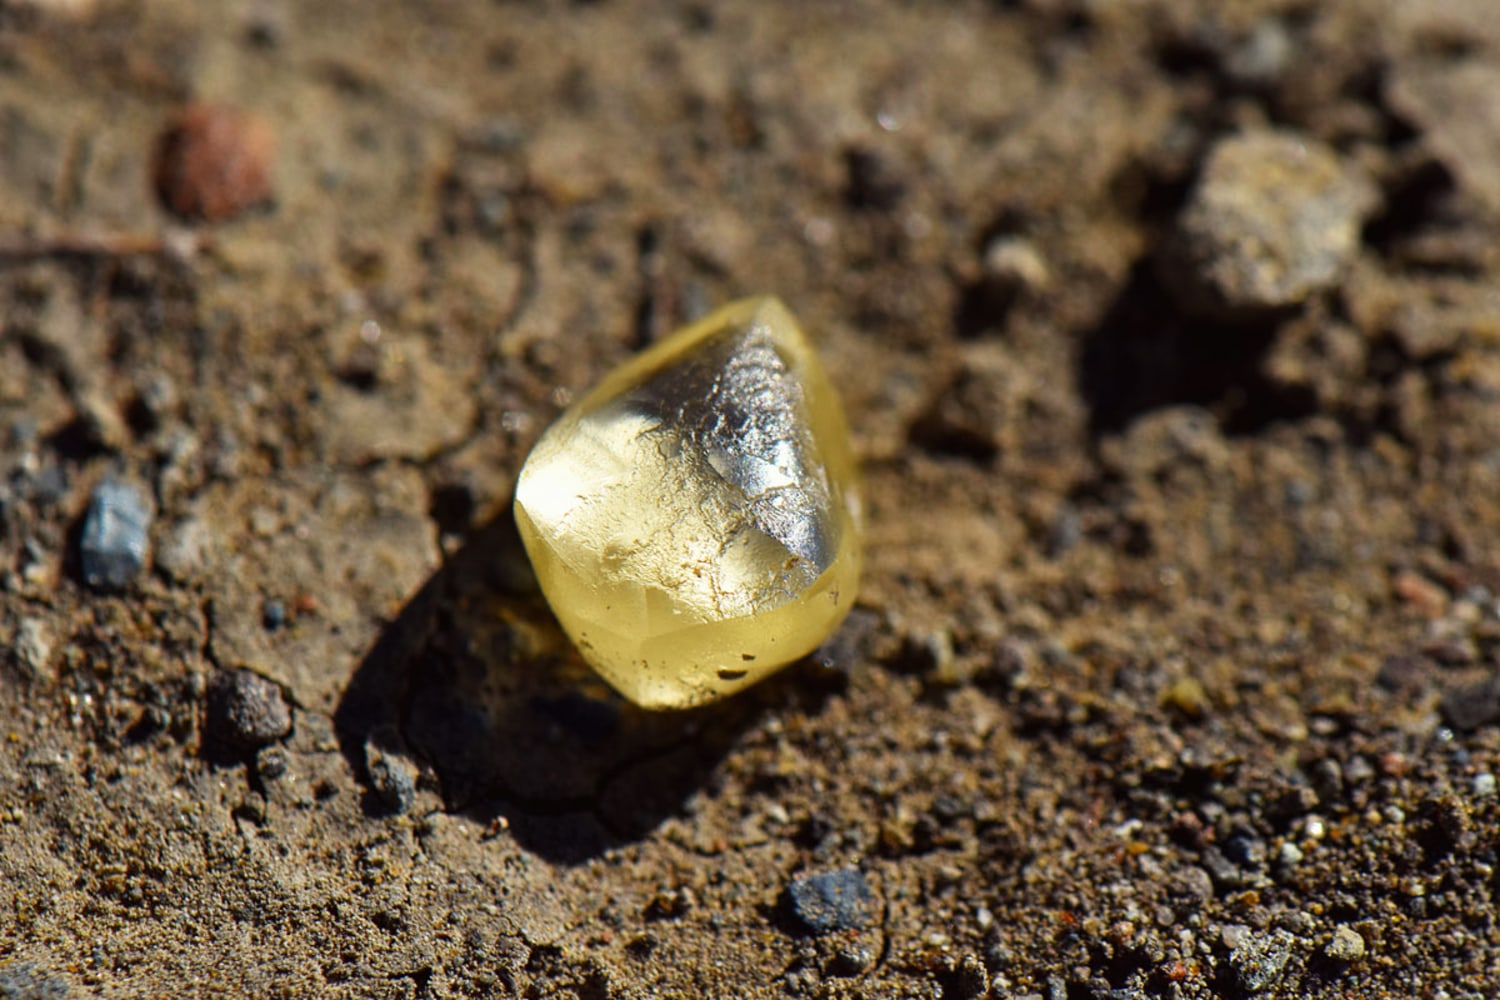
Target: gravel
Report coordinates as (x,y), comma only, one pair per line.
(1470,706)
(392,781)
(838,900)
(1346,946)
(33,646)
(246,711)
(1258,960)
(113,547)
(1274,218)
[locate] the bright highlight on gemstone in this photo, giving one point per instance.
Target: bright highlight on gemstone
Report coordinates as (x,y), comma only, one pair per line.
(694,519)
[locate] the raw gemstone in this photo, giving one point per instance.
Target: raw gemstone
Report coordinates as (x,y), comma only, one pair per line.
(694,520)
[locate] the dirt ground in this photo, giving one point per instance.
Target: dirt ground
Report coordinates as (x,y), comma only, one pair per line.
(1170,337)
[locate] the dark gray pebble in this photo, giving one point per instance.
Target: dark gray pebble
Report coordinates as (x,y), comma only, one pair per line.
(273,615)
(392,782)
(1472,705)
(246,711)
(112,550)
(1245,849)
(1225,873)
(838,900)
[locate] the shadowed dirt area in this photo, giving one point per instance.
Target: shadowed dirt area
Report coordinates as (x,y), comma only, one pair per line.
(1169,333)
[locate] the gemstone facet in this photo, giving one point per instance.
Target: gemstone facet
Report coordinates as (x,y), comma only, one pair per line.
(694,519)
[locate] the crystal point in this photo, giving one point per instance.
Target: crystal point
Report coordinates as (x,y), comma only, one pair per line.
(693,520)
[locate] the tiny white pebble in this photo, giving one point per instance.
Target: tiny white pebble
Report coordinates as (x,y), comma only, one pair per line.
(1291,855)
(1484,784)
(984,918)
(1315,827)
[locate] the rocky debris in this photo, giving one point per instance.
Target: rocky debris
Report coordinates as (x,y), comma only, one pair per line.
(112,550)
(1274,218)
(1470,706)
(850,960)
(246,711)
(393,783)
(837,900)
(1192,885)
(1186,696)
(1014,264)
(214,162)
(1257,960)
(32,646)
(1347,945)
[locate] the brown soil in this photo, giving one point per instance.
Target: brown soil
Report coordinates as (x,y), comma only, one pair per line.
(1171,672)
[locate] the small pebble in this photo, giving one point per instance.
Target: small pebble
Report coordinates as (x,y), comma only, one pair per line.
(850,960)
(1186,695)
(1245,849)
(1192,884)
(1225,873)
(391,780)
(247,711)
(113,547)
(33,648)
(1290,855)
(273,615)
(1274,218)
(214,162)
(1471,706)
(1013,263)
(271,763)
(838,900)
(1259,959)
(1346,946)
(1484,784)
(1262,58)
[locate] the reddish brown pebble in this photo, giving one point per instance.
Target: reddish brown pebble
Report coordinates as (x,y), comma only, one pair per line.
(1420,593)
(214,162)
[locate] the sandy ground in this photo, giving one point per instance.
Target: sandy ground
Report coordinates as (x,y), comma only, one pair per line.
(1170,337)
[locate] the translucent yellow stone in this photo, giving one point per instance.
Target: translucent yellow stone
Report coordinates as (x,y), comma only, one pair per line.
(694,519)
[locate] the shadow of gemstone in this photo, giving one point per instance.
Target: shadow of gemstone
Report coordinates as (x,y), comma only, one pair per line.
(475,680)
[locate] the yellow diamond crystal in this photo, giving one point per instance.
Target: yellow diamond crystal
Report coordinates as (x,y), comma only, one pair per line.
(694,520)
